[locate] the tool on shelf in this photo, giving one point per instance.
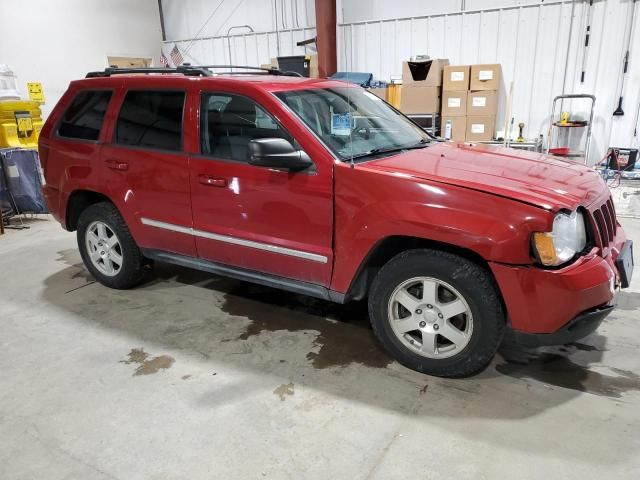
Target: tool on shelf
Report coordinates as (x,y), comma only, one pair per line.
(520,138)
(625,61)
(635,123)
(585,51)
(507,116)
(566,122)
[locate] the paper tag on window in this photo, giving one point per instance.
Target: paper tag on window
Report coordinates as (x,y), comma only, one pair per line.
(12,171)
(479,101)
(341,124)
(453,102)
(477,128)
(457,76)
(485,75)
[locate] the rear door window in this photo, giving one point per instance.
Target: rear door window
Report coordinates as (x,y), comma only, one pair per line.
(84,117)
(151,119)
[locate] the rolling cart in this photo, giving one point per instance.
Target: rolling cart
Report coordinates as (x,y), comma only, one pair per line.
(557,123)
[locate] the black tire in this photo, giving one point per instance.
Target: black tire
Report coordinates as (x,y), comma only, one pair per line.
(472,281)
(133,268)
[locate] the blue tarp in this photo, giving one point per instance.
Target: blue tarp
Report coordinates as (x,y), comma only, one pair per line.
(359,78)
(21,181)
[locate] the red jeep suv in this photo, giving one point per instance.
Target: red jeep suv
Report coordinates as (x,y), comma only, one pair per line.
(321,188)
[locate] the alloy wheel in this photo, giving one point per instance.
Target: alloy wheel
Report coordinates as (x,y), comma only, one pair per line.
(103,248)
(430,317)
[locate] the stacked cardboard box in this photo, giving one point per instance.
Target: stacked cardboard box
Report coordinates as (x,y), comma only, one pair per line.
(421,82)
(455,87)
(469,102)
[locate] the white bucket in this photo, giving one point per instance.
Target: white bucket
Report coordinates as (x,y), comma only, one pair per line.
(8,84)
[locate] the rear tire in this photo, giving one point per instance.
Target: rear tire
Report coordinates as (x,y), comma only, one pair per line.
(107,248)
(437,313)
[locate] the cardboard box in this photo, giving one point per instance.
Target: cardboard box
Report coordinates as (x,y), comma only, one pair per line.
(454,104)
(456,78)
(379,92)
(483,103)
(426,73)
(418,99)
(458,128)
(485,77)
(480,129)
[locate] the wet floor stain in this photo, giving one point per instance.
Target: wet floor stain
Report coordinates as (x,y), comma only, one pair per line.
(147,365)
(558,370)
(284,390)
(627,300)
(344,335)
(585,347)
(72,258)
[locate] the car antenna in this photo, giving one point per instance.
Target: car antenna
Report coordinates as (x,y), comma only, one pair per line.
(349,86)
(351,126)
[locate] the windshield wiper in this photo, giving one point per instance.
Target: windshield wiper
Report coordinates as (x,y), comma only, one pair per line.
(375,151)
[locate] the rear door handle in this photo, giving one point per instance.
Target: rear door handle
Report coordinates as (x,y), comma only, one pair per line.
(117,165)
(212,181)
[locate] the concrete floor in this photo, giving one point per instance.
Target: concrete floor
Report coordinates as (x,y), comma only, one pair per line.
(196,377)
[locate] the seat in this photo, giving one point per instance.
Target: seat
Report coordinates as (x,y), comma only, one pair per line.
(238,123)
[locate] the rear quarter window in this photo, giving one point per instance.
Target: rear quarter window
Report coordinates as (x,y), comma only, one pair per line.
(84,117)
(151,119)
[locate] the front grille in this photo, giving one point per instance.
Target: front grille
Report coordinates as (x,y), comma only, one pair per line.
(604,219)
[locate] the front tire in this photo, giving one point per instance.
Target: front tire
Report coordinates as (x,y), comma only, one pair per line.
(437,313)
(107,248)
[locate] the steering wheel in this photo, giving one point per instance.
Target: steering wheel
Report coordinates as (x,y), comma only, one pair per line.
(364,132)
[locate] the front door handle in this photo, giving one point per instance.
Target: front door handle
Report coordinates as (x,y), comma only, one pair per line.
(117,165)
(212,181)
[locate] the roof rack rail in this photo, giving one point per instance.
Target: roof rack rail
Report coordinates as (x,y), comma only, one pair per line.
(266,71)
(192,70)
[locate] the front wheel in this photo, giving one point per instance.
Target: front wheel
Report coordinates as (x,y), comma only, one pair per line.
(437,313)
(107,248)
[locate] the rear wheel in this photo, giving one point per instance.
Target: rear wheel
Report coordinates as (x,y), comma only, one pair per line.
(437,313)
(107,247)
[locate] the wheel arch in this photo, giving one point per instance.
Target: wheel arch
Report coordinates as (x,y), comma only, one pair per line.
(388,247)
(78,201)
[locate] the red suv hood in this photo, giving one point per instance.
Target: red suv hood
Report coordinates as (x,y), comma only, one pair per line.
(535,178)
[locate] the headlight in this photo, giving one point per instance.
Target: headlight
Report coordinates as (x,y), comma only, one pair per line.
(567,237)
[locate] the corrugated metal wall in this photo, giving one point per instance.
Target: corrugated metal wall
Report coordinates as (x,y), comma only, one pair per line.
(530,39)
(277,25)
(532,43)
(251,49)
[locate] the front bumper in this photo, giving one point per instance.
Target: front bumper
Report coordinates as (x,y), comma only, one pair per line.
(581,326)
(564,304)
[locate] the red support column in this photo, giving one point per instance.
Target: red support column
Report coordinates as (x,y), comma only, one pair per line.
(326,37)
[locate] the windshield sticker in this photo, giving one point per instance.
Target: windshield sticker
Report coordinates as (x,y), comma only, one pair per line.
(341,124)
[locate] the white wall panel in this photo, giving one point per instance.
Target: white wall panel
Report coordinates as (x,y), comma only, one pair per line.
(56,44)
(529,38)
(251,49)
(185,18)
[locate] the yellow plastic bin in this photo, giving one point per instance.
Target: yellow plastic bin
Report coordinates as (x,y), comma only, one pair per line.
(20,123)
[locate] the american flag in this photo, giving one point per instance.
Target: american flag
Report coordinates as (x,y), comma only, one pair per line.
(176,56)
(163,60)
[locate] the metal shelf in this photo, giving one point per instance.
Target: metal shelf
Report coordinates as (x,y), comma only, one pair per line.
(554,123)
(429,122)
(570,125)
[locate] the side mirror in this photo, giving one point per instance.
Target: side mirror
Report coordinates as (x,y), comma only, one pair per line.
(277,153)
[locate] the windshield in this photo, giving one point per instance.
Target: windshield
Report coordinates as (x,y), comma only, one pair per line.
(353,122)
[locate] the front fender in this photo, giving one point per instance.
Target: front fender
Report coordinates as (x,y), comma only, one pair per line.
(371,206)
